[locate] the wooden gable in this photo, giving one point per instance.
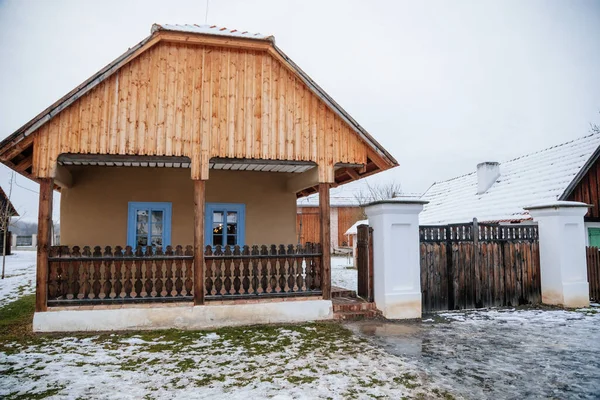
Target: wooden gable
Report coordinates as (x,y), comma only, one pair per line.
(587,190)
(189,95)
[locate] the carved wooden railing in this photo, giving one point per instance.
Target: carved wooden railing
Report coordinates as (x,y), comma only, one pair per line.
(79,276)
(86,276)
(234,272)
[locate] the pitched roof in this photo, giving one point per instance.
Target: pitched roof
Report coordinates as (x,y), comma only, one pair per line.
(210,30)
(11,209)
(341,200)
(45,116)
(547,175)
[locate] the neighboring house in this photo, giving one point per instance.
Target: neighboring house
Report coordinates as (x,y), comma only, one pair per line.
(345,211)
(497,192)
(195,136)
(7,210)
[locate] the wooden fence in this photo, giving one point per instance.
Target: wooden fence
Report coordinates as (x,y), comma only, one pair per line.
(125,275)
(479,265)
(593,270)
(263,271)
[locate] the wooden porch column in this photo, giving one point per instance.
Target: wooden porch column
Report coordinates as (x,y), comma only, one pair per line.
(43,243)
(324,216)
(199,202)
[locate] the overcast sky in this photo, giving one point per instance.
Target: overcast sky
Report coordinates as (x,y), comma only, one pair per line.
(442,85)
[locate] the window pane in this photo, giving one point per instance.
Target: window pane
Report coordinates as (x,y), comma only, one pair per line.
(231,229)
(157,229)
(217,228)
(141,241)
(218,216)
(231,240)
(232,216)
(217,239)
(157,241)
(142,222)
(157,216)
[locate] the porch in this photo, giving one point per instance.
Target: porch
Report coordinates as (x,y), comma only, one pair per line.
(119,246)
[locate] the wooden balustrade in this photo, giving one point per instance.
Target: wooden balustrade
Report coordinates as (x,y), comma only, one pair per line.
(83,276)
(234,272)
(79,276)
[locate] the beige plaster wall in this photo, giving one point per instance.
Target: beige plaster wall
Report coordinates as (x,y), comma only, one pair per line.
(94,211)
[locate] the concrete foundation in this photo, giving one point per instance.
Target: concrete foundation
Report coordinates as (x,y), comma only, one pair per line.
(180,316)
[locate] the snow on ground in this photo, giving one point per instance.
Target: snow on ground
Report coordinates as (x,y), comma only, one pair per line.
(19,277)
(501,353)
(343,273)
(293,362)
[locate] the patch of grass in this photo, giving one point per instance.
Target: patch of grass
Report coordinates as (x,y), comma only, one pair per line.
(34,396)
(15,321)
(443,394)
(301,379)
(407,380)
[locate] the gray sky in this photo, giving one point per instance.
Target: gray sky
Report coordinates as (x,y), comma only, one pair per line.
(442,85)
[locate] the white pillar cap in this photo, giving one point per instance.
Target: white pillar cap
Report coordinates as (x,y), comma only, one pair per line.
(559,207)
(558,204)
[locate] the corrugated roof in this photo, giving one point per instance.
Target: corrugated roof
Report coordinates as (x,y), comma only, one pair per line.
(211,30)
(524,181)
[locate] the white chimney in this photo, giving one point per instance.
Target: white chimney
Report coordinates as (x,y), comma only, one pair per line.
(487,173)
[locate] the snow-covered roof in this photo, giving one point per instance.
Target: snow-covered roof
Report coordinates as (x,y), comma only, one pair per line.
(211,30)
(532,179)
(354,228)
(342,200)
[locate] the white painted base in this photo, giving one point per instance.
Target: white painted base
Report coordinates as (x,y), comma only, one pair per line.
(570,295)
(401,305)
(181,317)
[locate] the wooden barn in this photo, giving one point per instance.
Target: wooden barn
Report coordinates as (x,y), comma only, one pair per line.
(179,166)
(345,211)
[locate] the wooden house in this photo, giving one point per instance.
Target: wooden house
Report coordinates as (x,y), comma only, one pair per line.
(7,210)
(179,165)
(345,211)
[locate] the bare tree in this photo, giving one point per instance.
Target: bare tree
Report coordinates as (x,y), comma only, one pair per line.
(375,192)
(6,212)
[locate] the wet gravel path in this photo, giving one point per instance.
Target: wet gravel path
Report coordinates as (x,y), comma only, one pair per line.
(500,354)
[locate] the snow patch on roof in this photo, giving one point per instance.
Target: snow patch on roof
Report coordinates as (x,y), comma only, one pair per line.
(524,181)
(211,30)
(354,228)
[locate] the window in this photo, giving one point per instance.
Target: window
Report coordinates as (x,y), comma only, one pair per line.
(149,224)
(225,224)
(594,237)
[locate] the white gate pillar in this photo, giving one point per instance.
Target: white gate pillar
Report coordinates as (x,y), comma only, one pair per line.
(396,257)
(563,265)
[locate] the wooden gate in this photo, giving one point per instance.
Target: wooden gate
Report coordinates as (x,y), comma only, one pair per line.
(364,260)
(479,265)
(593,270)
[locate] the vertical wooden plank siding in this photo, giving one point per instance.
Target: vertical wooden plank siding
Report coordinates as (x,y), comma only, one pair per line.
(588,190)
(308,225)
(43,244)
(241,103)
(199,208)
(347,216)
(325,215)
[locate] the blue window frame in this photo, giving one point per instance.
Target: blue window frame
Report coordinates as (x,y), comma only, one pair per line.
(225,224)
(149,224)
